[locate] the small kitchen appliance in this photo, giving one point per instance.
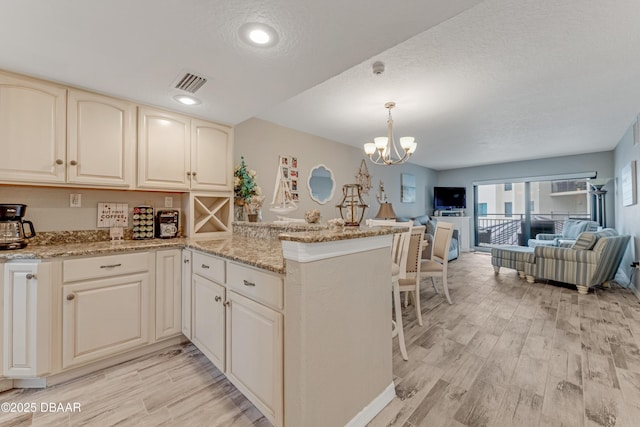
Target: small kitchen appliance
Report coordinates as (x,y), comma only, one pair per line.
(167,223)
(12,235)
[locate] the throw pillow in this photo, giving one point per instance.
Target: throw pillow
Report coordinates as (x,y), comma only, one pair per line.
(422,220)
(585,241)
(431,226)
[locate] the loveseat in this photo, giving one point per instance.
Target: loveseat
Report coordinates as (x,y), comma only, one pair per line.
(592,260)
(571,229)
(430,224)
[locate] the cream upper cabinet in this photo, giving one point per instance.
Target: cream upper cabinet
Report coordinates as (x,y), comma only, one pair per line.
(164,142)
(100,140)
(32,130)
(176,152)
(211,156)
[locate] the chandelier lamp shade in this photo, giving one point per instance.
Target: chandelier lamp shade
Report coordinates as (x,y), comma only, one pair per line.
(385,151)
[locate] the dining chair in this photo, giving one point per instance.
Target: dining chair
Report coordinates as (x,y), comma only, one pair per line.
(399,252)
(410,278)
(437,265)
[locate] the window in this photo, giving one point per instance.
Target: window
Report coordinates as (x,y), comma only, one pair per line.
(508,187)
(482,209)
(508,209)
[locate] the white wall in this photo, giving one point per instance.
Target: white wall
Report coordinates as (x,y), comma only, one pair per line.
(602,163)
(48,207)
(627,217)
(260,142)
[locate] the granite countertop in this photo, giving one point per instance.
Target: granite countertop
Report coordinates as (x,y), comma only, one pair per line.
(248,249)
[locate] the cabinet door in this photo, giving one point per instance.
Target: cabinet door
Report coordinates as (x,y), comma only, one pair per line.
(104,317)
(254,354)
(32,130)
(100,140)
(163,149)
(27,320)
(186,293)
(208,319)
(168,293)
(211,156)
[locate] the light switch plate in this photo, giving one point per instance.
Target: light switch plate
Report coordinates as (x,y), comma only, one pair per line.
(75,200)
(168,202)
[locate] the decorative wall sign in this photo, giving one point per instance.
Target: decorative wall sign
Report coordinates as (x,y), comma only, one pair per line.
(628,180)
(408,188)
(113,215)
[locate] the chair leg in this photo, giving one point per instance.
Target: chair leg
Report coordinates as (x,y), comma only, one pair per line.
(399,326)
(435,288)
(406,299)
(446,289)
(417,304)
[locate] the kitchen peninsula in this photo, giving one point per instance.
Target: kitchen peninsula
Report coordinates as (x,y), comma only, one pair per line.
(288,321)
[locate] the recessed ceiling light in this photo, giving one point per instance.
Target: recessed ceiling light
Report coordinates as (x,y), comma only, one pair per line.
(257,34)
(186,99)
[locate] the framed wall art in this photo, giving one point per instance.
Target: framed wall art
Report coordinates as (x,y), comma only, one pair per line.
(408,188)
(628,184)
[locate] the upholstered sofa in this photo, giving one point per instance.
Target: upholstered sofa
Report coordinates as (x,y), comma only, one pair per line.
(430,224)
(571,229)
(592,260)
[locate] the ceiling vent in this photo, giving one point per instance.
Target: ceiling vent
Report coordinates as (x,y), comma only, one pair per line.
(190,83)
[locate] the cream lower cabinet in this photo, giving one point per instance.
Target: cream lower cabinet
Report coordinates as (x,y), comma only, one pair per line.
(208,328)
(255,354)
(186,293)
(168,293)
(26,319)
(106,305)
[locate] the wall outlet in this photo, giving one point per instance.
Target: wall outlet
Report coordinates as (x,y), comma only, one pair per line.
(75,200)
(168,202)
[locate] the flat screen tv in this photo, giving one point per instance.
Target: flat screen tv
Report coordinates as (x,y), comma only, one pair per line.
(447,198)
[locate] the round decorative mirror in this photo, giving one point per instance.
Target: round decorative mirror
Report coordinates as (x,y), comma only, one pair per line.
(321,184)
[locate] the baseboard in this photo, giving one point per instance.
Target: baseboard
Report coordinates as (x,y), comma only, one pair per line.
(374,407)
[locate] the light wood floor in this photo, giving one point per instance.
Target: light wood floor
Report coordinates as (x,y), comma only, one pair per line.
(507,353)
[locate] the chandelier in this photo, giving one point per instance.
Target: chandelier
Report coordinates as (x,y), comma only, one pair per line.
(384,150)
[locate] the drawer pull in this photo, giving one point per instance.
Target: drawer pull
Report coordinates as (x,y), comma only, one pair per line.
(205,266)
(217,298)
(110,266)
(30,276)
(71,297)
(247,283)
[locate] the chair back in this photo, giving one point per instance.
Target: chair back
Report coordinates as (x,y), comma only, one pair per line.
(400,250)
(442,242)
(387,222)
(610,251)
(414,252)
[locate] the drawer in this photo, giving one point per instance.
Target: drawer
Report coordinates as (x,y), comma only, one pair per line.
(259,285)
(105,266)
(209,267)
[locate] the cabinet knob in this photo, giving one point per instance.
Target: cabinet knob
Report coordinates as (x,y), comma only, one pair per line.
(188,173)
(71,297)
(186,261)
(217,298)
(59,162)
(30,276)
(227,303)
(73,163)
(193,174)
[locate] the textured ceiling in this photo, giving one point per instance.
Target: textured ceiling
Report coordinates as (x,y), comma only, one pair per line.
(475,82)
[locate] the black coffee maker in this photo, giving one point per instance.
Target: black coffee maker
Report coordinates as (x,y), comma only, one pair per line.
(12,235)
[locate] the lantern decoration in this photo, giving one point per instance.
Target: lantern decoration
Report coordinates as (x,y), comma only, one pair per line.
(352,206)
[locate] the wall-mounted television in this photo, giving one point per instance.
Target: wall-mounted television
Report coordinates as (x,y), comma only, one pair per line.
(447,198)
